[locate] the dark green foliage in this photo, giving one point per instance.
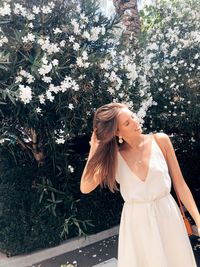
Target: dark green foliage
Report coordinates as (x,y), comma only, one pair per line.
(24,223)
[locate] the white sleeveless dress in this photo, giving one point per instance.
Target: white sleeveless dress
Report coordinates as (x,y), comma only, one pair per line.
(152,232)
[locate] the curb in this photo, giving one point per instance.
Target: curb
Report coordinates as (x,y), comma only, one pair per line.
(67,246)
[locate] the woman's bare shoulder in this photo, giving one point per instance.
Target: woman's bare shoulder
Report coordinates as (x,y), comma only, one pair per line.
(162,137)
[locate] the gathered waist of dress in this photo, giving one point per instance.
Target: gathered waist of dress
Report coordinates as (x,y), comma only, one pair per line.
(137,201)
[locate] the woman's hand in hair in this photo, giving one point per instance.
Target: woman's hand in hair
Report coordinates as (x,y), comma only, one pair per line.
(94,142)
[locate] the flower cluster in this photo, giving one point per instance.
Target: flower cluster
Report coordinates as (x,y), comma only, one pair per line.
(67,59)
(171,56)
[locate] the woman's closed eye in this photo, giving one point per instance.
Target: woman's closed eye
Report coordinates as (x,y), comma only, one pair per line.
(132,116)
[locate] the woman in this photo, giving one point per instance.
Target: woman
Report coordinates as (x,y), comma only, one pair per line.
(152,232)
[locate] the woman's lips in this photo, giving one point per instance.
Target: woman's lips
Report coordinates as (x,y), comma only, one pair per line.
(137,128)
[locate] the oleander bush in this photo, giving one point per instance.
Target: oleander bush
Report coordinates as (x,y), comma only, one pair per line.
(170,38)
(61,60)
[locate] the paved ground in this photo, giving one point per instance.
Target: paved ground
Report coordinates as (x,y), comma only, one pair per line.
(100,254)
(99,250)
(88,256)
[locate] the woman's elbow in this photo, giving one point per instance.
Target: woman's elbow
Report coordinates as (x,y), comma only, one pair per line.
(84,190)
(86,187)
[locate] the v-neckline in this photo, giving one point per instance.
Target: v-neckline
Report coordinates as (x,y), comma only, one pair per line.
(148,170)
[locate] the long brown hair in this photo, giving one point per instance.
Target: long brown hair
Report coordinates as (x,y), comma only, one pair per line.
(105,158)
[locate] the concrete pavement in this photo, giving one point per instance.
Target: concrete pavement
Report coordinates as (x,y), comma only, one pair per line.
(98,250)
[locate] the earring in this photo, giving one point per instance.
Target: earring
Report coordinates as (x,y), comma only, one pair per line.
(120,140)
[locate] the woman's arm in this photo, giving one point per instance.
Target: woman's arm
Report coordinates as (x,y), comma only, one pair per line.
(87,184)
(178,180)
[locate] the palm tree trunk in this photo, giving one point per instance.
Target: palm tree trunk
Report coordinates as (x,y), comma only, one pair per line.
(128,11)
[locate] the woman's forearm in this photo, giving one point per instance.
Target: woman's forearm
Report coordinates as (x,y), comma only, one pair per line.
(189,203)
(87,184)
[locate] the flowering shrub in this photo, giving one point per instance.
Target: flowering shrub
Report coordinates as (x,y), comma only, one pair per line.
(171,31)
(170,50)
(59,61)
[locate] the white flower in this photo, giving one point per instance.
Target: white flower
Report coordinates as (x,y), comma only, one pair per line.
(51,4)
(47,79)
(172,85)
(55,62)
(174,52)
(45,69)
(106,74)
(71,106)
(153,46)
(71,169)
(23,73)
(50,48)
(46,10)
(3,40)
(86,64)
(71,39)
(30,78)
(132,73)
(78,8)
(66,84)
(113,76)
(95,31)
(86,35)
(181,61)
(41,99)
(18,79)
(57,30)
(62,43)
(84,18)
(36,10)
(76,26)
(76,46)
(53,88)
(30,25)
(113,53)
(111,90)
(60,140)
(75,86)
(38,110)
(105,64)
(29,38)
(49,96)
(30,16)
(96,18)
(119,83)
(25,94)
(5,10)
(84,55)
(20,10)
(79,62)
(81,77)
(2,140)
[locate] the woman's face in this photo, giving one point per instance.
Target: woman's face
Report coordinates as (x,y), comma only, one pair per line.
(128,123)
